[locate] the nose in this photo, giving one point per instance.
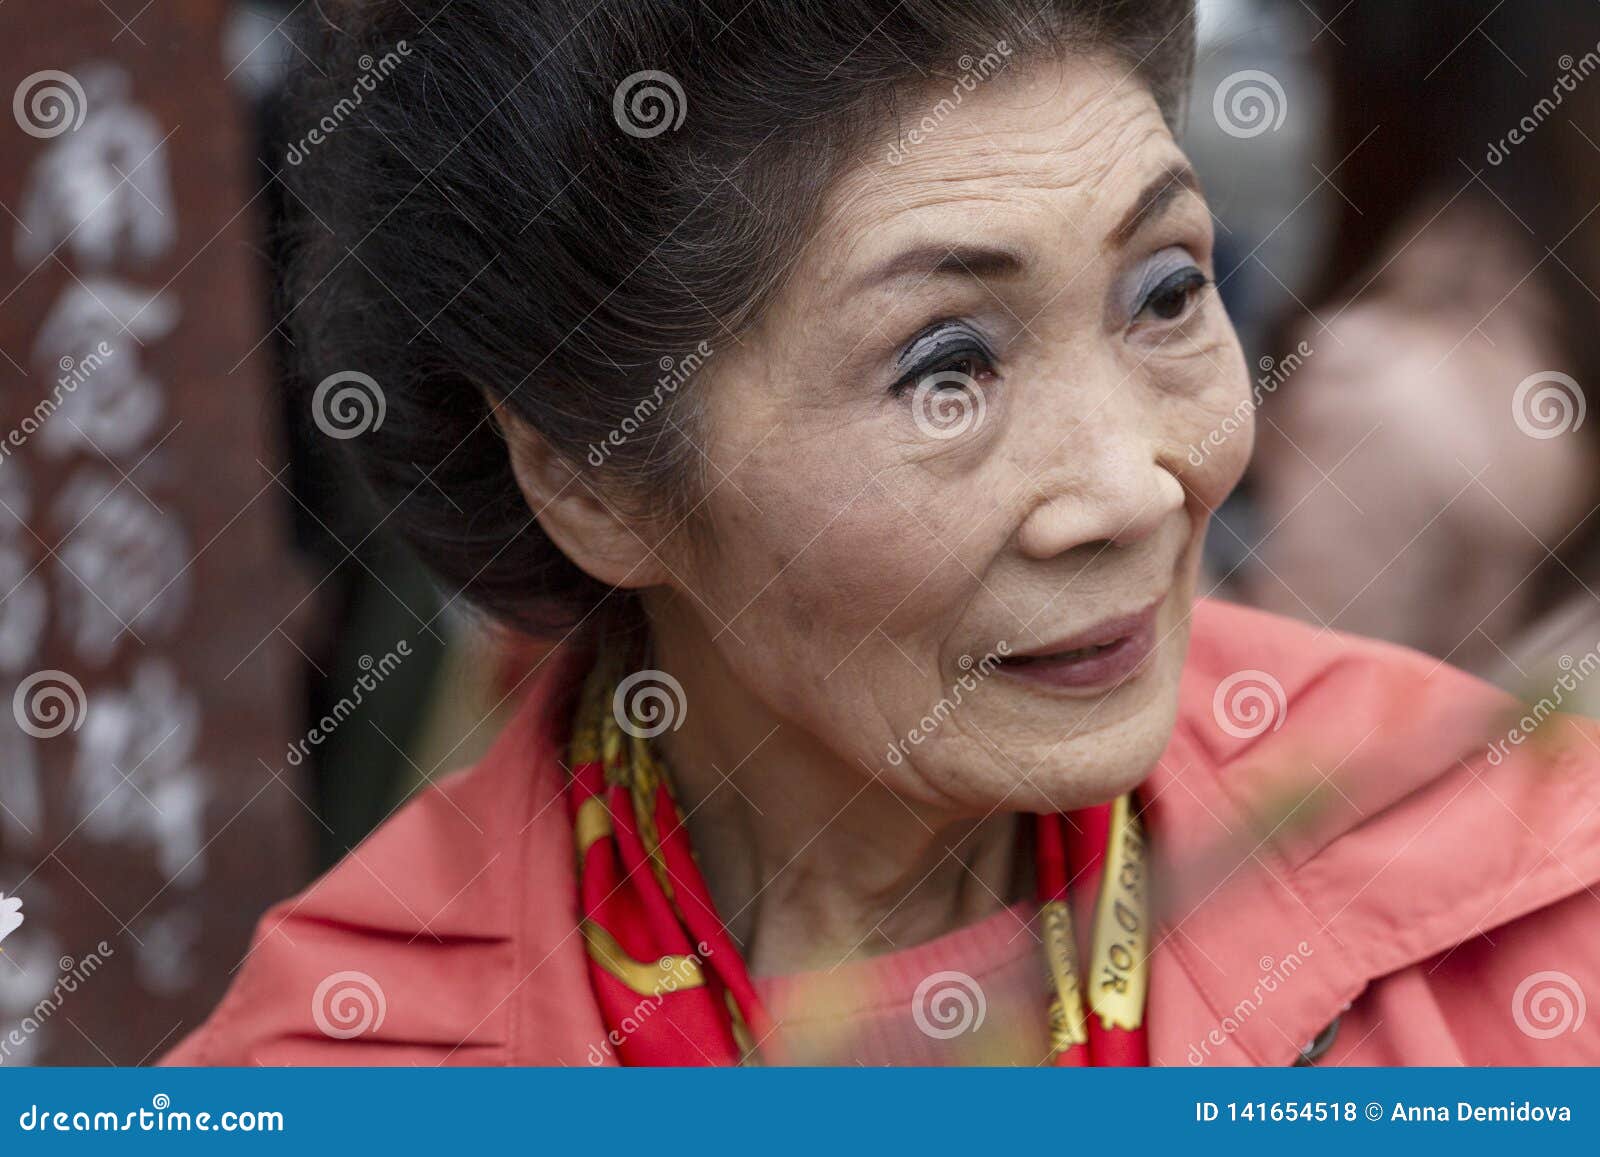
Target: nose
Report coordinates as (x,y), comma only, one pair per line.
(1119,494)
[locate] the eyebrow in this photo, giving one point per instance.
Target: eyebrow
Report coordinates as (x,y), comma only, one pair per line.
(1155,199)
(980,261)
(924,261)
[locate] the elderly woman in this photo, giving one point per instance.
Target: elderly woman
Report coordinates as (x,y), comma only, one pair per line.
(842,389)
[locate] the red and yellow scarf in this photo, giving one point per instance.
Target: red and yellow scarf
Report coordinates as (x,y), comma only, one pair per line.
(672,986)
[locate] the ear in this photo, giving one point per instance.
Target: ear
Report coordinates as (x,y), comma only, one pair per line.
(571,508)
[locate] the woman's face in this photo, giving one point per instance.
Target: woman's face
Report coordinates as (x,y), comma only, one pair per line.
(968,427)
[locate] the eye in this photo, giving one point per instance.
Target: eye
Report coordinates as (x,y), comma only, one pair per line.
(948,356)
(1173,296)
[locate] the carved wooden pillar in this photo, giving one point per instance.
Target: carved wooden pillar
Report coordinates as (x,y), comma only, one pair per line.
(148,682)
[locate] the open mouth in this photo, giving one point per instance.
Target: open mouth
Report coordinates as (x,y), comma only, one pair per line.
(1119,651)
(1071,656)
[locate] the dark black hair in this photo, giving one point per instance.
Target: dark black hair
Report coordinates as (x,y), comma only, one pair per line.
(551,204)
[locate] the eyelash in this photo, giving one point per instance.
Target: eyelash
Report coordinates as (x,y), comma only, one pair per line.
(1190,281)
(961,349)
(964,353)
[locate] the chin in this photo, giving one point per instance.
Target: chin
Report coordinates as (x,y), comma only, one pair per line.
(1055,753)
(1079,754)
(1045,774)
(1098,765)
(1079,776)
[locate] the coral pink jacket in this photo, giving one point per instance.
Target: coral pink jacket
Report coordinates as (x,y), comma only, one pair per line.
(1378,854)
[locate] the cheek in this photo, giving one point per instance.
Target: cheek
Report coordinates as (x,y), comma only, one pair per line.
(827,553)
(825,529)
(1215,431)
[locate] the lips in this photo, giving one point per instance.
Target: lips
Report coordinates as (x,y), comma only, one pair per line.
(1105,655)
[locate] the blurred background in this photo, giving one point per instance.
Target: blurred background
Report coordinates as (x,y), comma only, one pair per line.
(223,672)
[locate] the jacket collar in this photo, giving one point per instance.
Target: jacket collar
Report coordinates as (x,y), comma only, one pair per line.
(1368,816)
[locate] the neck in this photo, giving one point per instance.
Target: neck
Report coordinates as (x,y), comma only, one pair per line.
(812,861)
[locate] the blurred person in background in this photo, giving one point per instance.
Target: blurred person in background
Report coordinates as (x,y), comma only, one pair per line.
(1429,473)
